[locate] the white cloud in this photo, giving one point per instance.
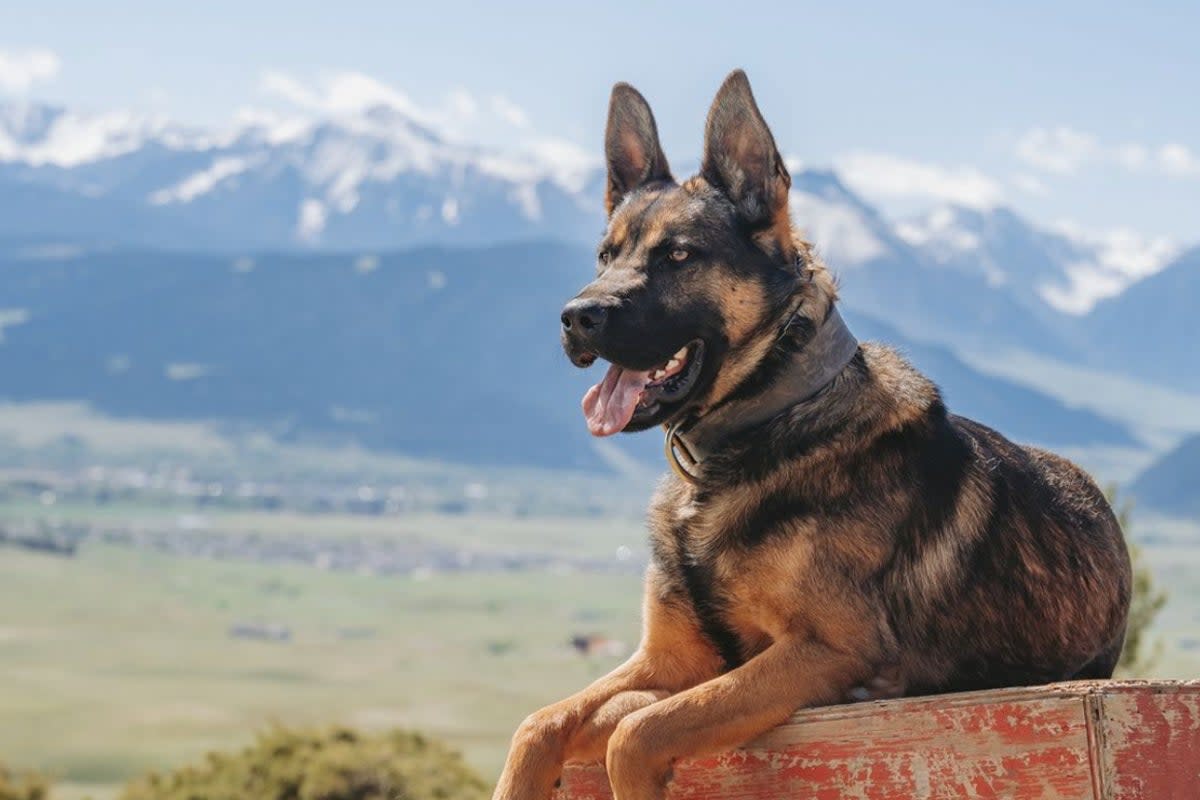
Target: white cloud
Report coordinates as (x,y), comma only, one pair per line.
(1131,156)
(157,96)
(883,175)
(21,69)
(1061,150)
(1065,151)
(1178,160)
(462,104)
(509,111)
(459,115)
(570,164)
(338,93)
(1030,184)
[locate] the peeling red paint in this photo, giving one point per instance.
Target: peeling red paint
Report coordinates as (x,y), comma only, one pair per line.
(1086,740)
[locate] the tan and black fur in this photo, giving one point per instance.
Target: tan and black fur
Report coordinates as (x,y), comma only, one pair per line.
(862,543)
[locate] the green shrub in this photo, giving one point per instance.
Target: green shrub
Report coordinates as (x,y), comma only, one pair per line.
(1139,655)
(336,764)
(29,786)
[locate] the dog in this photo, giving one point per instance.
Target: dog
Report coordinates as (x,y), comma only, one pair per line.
(829,531)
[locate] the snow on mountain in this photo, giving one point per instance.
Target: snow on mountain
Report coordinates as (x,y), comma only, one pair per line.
(1065,269)
(1150,329)
(1119,259)
(204,181)
(889,276)
(356,163)
(357,166)
(37,135)
(379,163)
(848,232)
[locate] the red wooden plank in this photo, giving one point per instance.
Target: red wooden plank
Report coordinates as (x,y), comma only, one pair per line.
(1013,743)
(1150,747)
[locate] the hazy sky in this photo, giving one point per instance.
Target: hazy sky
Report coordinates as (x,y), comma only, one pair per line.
(1071,112)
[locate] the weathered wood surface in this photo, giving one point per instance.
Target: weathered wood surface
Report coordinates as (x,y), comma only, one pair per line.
(1093,740)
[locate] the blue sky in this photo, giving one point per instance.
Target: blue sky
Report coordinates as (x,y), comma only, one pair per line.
(1071,112)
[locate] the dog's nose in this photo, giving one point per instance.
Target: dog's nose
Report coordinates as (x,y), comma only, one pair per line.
(584,316)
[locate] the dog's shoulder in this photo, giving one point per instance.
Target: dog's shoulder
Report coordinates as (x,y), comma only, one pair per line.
(890,373)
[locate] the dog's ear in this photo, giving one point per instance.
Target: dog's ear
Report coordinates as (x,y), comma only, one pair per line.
(631,146)
(740,157)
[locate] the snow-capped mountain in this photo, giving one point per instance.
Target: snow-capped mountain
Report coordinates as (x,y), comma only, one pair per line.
(380,174)
(357,188)
(1150,329)
(374,177)
(890,277)
(36,135)
(385,175)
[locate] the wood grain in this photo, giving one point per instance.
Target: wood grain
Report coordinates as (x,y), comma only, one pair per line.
(1072,741)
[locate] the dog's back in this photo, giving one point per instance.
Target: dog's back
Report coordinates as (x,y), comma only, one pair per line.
(1045,583)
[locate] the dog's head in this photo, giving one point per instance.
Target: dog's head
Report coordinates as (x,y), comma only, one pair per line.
(695,279)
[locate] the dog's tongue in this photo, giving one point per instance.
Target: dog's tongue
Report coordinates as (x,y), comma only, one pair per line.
(609,405)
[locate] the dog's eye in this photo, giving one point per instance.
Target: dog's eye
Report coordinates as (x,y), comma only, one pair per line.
(605,256)
(679,255)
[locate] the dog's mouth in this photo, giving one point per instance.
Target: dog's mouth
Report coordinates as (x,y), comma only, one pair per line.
(627,398)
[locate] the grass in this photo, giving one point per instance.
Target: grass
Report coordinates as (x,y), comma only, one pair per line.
(119,660)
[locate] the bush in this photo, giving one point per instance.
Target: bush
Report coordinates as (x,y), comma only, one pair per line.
(29,786)
(336,764)
(1139,654)
(1137,658)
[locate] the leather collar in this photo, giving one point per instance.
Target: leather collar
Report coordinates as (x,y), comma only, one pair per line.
(810,370)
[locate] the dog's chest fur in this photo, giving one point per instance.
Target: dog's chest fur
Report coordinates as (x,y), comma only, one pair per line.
(744,593)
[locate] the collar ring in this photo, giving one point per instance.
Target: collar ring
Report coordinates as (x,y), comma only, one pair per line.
(675,447)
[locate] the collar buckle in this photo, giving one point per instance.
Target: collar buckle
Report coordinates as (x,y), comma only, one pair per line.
(679,455)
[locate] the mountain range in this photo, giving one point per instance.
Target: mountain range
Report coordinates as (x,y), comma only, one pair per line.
(360,245)
(446,353)
(375,179)
(382,178)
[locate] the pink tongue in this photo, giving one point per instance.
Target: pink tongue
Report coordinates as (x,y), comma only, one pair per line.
(609,405)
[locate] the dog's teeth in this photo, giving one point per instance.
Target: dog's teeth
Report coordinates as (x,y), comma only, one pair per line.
(672,364)
(682,354)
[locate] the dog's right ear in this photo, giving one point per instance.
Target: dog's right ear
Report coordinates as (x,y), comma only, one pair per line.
(631,146)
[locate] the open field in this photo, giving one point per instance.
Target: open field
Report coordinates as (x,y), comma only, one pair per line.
(119,660)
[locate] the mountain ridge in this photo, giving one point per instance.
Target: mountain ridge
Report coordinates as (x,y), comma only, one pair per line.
(381,177)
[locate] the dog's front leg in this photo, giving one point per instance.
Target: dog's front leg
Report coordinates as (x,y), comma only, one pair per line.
(548,737)
(725,712)
(673,656)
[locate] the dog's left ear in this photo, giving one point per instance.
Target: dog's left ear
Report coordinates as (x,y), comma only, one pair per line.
(740,157)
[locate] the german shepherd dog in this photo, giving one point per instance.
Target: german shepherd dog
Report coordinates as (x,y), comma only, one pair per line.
(830,531)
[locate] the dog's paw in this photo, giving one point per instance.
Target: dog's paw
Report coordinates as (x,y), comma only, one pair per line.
(888,684)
